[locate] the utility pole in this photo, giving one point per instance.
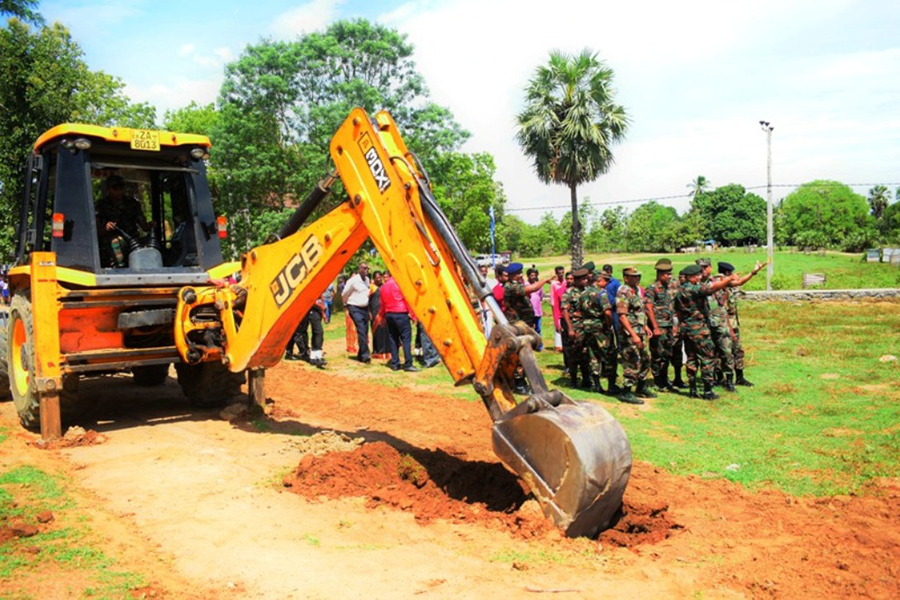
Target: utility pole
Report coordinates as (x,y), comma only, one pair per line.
(770,267)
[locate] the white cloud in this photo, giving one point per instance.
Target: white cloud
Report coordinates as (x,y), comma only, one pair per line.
(186,50)
(176,94)
(305,18)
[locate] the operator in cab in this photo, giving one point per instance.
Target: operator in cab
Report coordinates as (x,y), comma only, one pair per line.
(117,214)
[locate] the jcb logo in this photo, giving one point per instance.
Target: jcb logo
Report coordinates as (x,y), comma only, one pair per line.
(296,270)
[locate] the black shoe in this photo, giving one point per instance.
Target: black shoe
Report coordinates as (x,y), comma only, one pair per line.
(729,383)
(628,398)
(573,381)
(319,363)
(708,393)
(693,389)
(666,385)
(644,391)
(678,382)
(596,387)
(292,357)
(365,360)
(411,369)
(612,389)
(740,379)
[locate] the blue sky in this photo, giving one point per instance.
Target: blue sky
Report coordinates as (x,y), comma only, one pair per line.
(695,77)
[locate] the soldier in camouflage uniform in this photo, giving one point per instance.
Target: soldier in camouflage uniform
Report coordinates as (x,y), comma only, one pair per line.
(596,311)
(609,349)
(734,320)
(635,337)
(678,349)
(659,299)
(571,319)
(692,306)
(719,328)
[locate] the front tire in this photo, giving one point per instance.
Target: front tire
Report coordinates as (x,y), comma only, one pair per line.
(209,384)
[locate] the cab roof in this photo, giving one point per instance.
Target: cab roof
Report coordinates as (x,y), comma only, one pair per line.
(118,134)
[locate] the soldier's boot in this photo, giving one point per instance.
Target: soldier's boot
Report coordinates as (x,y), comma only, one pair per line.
(740,379)
(719,377)
(586,379)
(678,382)
(612,389)
(729,383)
(643,390)
(597,388)
(628,397)
(693,392)
(708,393)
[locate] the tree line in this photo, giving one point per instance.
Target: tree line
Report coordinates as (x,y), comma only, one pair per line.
(281,101)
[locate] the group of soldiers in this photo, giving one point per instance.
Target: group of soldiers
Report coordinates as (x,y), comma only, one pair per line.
(646,329)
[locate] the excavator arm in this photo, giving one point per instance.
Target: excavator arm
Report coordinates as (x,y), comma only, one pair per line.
(573,456)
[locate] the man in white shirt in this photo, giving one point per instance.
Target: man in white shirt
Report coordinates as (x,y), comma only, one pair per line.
(356,298)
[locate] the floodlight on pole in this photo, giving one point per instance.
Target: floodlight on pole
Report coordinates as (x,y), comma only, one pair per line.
(770,267)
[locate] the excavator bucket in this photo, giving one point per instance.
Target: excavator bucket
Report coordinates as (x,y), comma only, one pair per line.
(574,456)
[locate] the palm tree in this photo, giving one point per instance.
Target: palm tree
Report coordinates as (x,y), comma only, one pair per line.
(879,198)
(568,125)
(699,186)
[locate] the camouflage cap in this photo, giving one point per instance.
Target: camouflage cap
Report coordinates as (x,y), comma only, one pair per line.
(704,262)
(692,270)
(664,264)
(631,272)
(582,272)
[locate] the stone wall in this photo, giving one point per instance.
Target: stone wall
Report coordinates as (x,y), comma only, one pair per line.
(806,295)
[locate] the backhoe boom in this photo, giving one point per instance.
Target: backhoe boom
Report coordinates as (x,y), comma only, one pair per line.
(574,456)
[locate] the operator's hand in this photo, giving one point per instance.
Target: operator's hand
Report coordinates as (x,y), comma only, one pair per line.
(636,340)
(110,225)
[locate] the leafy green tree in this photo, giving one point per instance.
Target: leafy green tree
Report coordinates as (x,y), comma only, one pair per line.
(281,103)
(649,228)
(569,125)
(44,81)
(879,198)
(890,224)
(509,233)
(24,10)
(827,213)
(732,215)
(193,118)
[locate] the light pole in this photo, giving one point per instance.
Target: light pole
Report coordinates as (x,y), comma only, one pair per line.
(770,267)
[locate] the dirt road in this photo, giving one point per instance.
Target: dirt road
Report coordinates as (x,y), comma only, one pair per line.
(200,506)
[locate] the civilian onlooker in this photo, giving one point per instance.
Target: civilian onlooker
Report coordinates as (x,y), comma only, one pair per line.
(611,289)
(487,319)
(381,347)
(356,298)
(328,301)
(557,289)
(395,312)
(502,278)
(537,303)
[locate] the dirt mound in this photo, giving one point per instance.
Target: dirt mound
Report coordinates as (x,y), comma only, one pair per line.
(327,441)
(431,485)
(75,436)
(639,523)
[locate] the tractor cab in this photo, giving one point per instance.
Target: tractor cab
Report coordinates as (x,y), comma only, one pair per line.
(127,205)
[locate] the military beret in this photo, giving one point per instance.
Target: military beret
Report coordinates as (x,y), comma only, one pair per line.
(692,270)
(630,271)
(725,267)
(704,262)
(582,272)
(664,264)
(590,266)
(514,268)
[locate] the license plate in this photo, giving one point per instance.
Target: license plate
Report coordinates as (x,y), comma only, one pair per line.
(144,139)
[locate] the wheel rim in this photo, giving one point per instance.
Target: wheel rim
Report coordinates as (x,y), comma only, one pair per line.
(21,374)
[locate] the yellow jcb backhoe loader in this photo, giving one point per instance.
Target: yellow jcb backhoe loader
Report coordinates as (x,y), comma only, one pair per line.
(80,308)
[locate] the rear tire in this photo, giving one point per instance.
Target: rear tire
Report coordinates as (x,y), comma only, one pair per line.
(150,375)
(209,384)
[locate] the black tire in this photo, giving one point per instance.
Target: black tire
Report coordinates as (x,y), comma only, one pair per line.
(19,355)
(210,384)
(150,375)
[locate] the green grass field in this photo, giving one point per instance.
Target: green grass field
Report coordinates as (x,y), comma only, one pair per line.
(823,418)
(842,271)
